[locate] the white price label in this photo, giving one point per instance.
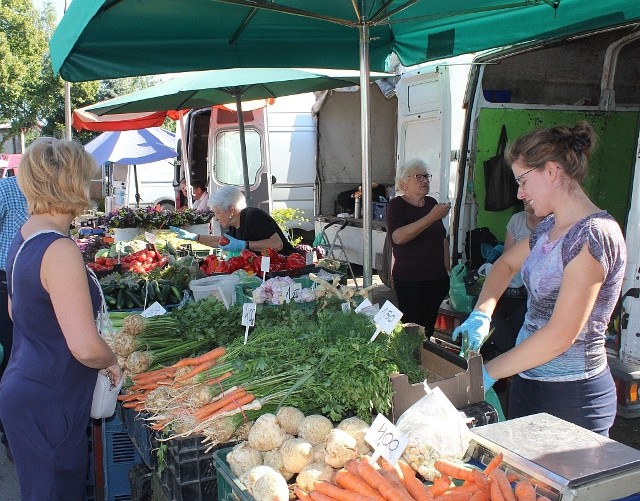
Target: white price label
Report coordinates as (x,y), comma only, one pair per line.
(248,314)
(386,319)
(154,310)
(386,440)
(292,292)
(365,304)
(345,307)
(309,258)
(265,263)
(150,237)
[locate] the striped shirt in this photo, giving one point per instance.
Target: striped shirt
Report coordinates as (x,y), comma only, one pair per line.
(13,214)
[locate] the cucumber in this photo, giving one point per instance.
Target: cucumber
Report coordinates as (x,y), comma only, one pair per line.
(111,301)
(128,301)
(175,295)
(134,298)
(156,289)
(166,290)
(151,297)
(120,300)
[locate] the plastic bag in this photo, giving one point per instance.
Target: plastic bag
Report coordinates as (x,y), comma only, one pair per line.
(105,396)
(435,430)
(458,297)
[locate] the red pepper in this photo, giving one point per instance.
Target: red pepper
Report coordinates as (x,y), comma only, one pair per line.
(257,264)
(223,267)
(248,256)
(295,262)
(235,263)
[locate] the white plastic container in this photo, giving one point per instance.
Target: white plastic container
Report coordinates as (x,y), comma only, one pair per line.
(220,286)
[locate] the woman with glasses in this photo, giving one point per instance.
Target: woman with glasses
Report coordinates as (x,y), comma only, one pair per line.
(572,265)
(420,246)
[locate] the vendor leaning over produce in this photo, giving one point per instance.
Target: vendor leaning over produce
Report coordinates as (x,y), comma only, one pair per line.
(248,227)
(47,389)
(572,265)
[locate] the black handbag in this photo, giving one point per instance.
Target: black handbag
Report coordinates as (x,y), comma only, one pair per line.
(501,189)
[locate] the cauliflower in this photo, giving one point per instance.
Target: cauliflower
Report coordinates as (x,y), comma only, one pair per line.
(315,428)
(266,434)
(271,487)
(273,458)
(357,428)
(242,458)
(289,419)
(312,473)
(339,447)
(296,454)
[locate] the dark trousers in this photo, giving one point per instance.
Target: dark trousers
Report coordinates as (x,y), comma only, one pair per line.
(6,330)
(589,403)
(420,301)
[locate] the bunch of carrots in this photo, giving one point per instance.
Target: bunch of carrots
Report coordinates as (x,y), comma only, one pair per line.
(361,481)
(182,372)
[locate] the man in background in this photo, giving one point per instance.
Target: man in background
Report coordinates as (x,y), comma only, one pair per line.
(13,214)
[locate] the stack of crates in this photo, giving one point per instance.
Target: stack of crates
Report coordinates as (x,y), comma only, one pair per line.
(119,456)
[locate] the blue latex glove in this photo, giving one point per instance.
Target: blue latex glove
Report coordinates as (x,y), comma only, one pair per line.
(487,380)
(184,234)
(234,244)
(474,330)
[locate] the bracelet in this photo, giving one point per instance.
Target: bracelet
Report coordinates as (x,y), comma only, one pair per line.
(197,237)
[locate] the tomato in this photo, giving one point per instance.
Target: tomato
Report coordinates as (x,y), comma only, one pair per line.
(111,261)
(101,260)
(223,241)
(149,259)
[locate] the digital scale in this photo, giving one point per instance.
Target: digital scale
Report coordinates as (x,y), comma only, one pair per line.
(563,461)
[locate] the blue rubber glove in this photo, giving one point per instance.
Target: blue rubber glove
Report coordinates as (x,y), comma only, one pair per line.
(234,244)
(184,234)
(474,330)
(487,380)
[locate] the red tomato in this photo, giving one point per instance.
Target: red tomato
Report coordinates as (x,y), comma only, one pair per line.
(223,241)
(101,260)
(149,259)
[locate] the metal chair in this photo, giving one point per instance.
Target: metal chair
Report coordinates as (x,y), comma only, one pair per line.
(330,246)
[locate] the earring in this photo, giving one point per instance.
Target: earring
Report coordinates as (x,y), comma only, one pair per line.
(230,216)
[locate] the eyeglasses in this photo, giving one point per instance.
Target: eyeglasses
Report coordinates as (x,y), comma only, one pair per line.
(422,177)
(518,179)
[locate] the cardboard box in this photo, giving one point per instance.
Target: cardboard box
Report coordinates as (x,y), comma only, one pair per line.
(459,379)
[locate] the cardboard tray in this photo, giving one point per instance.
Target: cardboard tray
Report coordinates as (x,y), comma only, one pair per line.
(459,379)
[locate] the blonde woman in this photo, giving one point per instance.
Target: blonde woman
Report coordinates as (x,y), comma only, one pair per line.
(46,391)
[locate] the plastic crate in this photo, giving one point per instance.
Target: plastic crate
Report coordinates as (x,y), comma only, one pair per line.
(140,482)
(143,437)
(244,293)
(229,487)
(190,474)
(119,456)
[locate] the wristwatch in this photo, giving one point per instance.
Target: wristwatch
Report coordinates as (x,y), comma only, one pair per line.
(246,244)
(197,237)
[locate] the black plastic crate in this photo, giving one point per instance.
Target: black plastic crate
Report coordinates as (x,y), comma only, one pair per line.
(140,482)
(194,490)
(187,460)
(143,438)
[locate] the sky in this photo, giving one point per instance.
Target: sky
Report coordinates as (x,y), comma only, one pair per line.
(59,5)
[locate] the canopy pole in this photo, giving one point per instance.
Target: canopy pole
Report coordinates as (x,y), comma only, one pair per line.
(135,180)
(365,134)
(243,149)
(185,161)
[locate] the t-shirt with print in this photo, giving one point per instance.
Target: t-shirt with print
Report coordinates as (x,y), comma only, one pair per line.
(542,273)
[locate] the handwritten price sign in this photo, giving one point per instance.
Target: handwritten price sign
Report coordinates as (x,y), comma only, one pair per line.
(248,318)
(292,292)
(154,310)
(386,440)
(386,319)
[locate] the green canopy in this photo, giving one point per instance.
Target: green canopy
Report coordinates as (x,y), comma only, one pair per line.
(99,39)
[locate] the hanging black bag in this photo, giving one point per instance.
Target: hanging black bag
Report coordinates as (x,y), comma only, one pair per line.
(501,189)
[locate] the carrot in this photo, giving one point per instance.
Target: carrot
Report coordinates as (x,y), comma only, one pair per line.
(416,488)
(453,496)
(440,485)
(371,476)
(352,467)
(130,405)
(164,371)
(129,397)
(543,498)
(392,477)
(206,357)
(469,486)
(481,495)
(210,408)
(494,490)
(505,487)
(219,379)
(525,491)
(513,477)
(196,370)
(239,402)
(300,494)
(454,470)
(338,492)
(348,480)
(318,496)
(494,463)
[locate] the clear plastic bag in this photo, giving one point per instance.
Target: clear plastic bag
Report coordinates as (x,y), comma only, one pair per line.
(435,429)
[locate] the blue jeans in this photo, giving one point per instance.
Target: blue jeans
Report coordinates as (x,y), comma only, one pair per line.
(589,403)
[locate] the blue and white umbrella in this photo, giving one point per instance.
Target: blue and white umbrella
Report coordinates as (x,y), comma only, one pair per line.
(133,147)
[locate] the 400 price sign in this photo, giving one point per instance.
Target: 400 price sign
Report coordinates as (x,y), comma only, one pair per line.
(386,440)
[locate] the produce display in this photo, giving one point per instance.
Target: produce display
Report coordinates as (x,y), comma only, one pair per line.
(90,246)
(250,262)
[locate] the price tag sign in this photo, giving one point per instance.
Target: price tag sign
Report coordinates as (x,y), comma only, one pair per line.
(154,310)
(386,319)
(386,440)
(150,237)
(292,292)
(265,263)
(248,318)
(365,304)
(345,307)
(310,258)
